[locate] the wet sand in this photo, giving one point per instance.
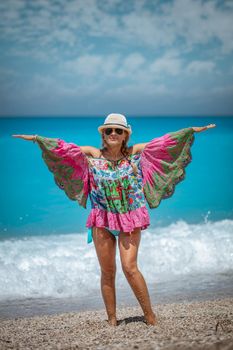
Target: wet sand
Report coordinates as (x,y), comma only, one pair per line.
(189,325)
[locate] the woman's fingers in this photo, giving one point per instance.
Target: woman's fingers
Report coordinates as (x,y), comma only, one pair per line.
(20,136)
(211,126)
(202,128)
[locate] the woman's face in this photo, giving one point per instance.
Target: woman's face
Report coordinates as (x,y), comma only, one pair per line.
(114,138)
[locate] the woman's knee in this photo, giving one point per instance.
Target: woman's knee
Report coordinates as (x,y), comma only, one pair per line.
(129,269)
(108,274)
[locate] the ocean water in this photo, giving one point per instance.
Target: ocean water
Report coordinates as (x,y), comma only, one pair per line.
(64,266)
(43,238)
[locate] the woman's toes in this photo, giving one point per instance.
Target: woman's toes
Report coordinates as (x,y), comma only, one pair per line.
(151,320)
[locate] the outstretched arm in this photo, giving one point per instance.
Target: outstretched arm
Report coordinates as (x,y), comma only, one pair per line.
(203,128)
(26,137)
(140,146)
(68,164)
(88,150)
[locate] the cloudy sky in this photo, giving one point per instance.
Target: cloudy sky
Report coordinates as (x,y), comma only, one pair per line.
(94,57)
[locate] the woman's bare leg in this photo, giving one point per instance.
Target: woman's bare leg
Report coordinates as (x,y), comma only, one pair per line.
(105,245)
(128,247)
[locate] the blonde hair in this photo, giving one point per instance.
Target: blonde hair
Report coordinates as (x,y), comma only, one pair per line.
(124,151)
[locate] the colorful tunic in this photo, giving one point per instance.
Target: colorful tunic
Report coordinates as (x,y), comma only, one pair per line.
(118,196)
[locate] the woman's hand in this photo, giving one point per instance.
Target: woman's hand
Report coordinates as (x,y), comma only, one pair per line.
(202,128)
(26,137)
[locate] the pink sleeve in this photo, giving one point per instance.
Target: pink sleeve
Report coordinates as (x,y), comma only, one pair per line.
(163,163)
(69,165)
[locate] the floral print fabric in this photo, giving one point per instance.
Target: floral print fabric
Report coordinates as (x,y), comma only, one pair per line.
(115,189)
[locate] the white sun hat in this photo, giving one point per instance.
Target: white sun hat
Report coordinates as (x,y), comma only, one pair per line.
(115,120)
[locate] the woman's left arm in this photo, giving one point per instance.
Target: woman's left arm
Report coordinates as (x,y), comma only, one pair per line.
(203,128)
(163,162)
(140,146)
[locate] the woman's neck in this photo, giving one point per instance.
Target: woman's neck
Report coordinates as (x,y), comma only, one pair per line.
(114,153)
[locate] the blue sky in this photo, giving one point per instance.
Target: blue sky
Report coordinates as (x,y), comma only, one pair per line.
(137,57)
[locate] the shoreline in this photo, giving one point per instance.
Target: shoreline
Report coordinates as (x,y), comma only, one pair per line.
(196,287)
(189,325)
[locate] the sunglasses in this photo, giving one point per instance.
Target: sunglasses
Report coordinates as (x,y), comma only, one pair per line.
(108,131)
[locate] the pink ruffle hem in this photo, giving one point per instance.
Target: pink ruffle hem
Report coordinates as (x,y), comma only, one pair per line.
(122,222)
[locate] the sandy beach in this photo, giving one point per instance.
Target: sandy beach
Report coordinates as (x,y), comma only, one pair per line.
(190,325)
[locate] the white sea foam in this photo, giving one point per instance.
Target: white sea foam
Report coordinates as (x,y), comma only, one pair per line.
(65,265)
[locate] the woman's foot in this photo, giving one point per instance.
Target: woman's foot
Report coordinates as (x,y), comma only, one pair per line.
(112,321)
(151,320)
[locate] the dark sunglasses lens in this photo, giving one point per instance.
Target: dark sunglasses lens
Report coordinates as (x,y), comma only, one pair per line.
(108,131)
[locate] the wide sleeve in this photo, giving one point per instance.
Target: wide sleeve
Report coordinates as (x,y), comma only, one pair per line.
(69,166)
(163,163)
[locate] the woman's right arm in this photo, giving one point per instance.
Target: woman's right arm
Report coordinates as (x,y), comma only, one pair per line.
(26,137)
(68,164)
(88,150)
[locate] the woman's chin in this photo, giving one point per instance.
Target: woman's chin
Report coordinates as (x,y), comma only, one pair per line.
(113,141)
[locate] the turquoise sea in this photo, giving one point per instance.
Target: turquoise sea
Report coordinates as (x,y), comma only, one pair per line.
(43,248)
(31,203)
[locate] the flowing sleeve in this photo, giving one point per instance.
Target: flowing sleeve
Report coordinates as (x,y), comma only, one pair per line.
(163,163)
(69,166)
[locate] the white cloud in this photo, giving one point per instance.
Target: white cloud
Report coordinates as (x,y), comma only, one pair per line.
(105,66)
(91,65)
(133,91)
(131,68)
(166,65)
(184,23)
(130,65)
(51,88)
(223,90)
(198,67)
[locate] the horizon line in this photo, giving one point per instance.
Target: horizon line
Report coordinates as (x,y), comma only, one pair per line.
(128,116)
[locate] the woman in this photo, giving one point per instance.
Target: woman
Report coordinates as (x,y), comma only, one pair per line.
(119,180)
